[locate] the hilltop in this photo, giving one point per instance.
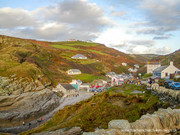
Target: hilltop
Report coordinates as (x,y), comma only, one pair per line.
(175,57)
(48,61)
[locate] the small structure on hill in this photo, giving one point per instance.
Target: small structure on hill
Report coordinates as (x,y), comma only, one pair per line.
(165,71)
(132,70)
(73,72)
(136,66)
(79,56)
(65,88)
(124,64)
(72,39)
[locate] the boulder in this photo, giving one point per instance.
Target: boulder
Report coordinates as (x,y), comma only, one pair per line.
(119,124)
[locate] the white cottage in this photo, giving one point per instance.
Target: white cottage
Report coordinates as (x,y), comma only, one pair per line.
(73,72)
(79,56)
(165,71)
(65,88)
(124,64)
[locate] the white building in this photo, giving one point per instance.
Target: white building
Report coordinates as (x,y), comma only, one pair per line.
(136,66)
(132,70)
(73,72)
(72,39)
(124,64)
(65,88)
(79,56)
(151,66)
(165,71)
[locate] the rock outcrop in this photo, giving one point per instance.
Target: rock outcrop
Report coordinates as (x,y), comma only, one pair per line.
(26,106)
(14,86)
(160,122)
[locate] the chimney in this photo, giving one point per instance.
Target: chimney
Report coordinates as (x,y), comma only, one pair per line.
(171,62)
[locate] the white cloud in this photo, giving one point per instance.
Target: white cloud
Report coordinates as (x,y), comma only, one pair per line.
(67,19)
(162,15)
(115,36)
(118,13)
(163,50)
(10,18)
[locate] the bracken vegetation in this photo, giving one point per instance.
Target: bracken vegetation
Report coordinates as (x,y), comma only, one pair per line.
(50,60)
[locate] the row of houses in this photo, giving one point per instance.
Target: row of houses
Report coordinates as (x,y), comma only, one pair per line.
(161,71)
(89,41)
(118,79)
(125,64)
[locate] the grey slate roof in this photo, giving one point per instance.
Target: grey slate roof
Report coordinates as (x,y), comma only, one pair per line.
(67,86)
(78,56)
(75,70)
(160,69)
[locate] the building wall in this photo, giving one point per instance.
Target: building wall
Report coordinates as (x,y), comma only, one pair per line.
(69,72)
(151,68)
(171,69)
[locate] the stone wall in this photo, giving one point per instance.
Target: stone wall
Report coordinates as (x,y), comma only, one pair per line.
(160,122)
(166,95)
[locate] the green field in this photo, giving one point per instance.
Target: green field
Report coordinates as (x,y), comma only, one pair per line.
(65,47)
(87,77)
(77,43)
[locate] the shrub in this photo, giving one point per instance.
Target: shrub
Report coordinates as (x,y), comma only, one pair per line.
(147,75)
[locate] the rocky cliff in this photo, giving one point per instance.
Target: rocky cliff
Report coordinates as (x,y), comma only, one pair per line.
(15,86)
(160,122)
(25,107)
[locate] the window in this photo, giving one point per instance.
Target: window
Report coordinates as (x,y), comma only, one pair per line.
(166,74)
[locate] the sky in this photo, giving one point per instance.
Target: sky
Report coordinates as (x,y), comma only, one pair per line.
(130,26)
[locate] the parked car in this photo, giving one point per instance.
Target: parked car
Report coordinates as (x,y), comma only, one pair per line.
(167,83)
(175,85)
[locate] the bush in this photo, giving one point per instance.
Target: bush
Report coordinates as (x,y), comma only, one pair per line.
(161,82)
(147,75)
(177,79)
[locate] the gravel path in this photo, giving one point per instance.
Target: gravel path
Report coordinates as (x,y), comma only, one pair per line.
(62,103)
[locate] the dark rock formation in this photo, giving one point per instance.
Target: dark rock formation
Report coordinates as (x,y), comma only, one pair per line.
(25,107)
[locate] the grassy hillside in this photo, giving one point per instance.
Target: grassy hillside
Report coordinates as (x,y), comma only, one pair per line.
(175,57)
(145,57)
(97,111)
(50,60)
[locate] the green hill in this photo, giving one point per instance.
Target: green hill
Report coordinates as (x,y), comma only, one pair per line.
(165,60)
(49,61)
